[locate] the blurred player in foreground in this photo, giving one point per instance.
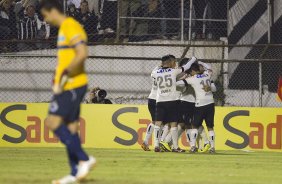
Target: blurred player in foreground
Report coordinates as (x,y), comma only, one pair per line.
(70,85)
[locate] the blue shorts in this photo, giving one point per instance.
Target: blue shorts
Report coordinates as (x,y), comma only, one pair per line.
(67,104)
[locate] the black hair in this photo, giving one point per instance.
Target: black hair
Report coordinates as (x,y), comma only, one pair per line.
(50,4)
(168,58)
(183,61)
(194,67)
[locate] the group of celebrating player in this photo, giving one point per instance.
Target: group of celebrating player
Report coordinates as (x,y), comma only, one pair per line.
(180,100)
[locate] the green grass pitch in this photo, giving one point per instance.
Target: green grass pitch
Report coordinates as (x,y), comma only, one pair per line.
(118,166)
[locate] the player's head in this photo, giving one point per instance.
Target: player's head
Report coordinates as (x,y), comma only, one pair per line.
(202,69)
(183,62)
(52,11)
(194,69)
(169,61)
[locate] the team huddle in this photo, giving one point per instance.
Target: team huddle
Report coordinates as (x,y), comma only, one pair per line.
(180,100)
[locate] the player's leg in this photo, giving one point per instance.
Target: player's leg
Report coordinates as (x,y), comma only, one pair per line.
(59,109)
(181,126)
(198,119)
(174,135)
(189,119)
(188,126)
(210,125)
(150,127)
(204,144)
(181,129)
(188,130)
(165,132)
(157,135)
(55,124)
(149,132)
(160,114)
(174,118)
(86,163)
(166,135)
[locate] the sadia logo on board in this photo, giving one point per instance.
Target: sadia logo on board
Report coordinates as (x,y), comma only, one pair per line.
(126,127)
(32,133)
(261,136)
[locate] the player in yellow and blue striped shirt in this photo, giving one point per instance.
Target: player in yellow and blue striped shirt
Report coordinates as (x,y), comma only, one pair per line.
(70,85)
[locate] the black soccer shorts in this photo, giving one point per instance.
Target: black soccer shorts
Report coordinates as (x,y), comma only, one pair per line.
(186,110)
(152,108)
(168,112)
(204,113)
(67,104)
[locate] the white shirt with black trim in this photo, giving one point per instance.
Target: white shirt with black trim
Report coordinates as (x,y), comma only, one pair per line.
(166,82)
(153,93)
(198,81)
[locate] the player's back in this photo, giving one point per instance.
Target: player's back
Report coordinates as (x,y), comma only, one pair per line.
(71,33)
(198,82)
(166,83)
(154,89)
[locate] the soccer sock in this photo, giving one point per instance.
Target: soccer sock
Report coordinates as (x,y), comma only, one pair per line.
(203,135)
(188,136)
(174,135)
(149,132)
(168,138)
(80,154)
(180,131)
(194,135)
(64,135)
(199,141)
(67,138)
(165,132)
(212,138)
(157,135)
(72,142)
(73,162)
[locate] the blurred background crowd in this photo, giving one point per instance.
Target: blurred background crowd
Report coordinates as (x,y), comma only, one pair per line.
(136,20)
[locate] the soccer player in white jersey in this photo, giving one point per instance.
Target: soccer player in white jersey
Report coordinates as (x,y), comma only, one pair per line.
(167,98)
(204,107)
(205,68)
(152,109)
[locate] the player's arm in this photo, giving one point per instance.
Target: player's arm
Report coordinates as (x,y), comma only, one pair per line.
(205,65)
(213,87)
(182,83)
(188,65)
(81,54)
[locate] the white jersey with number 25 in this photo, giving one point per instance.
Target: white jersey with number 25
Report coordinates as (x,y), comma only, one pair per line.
(198,82)
(166,82)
